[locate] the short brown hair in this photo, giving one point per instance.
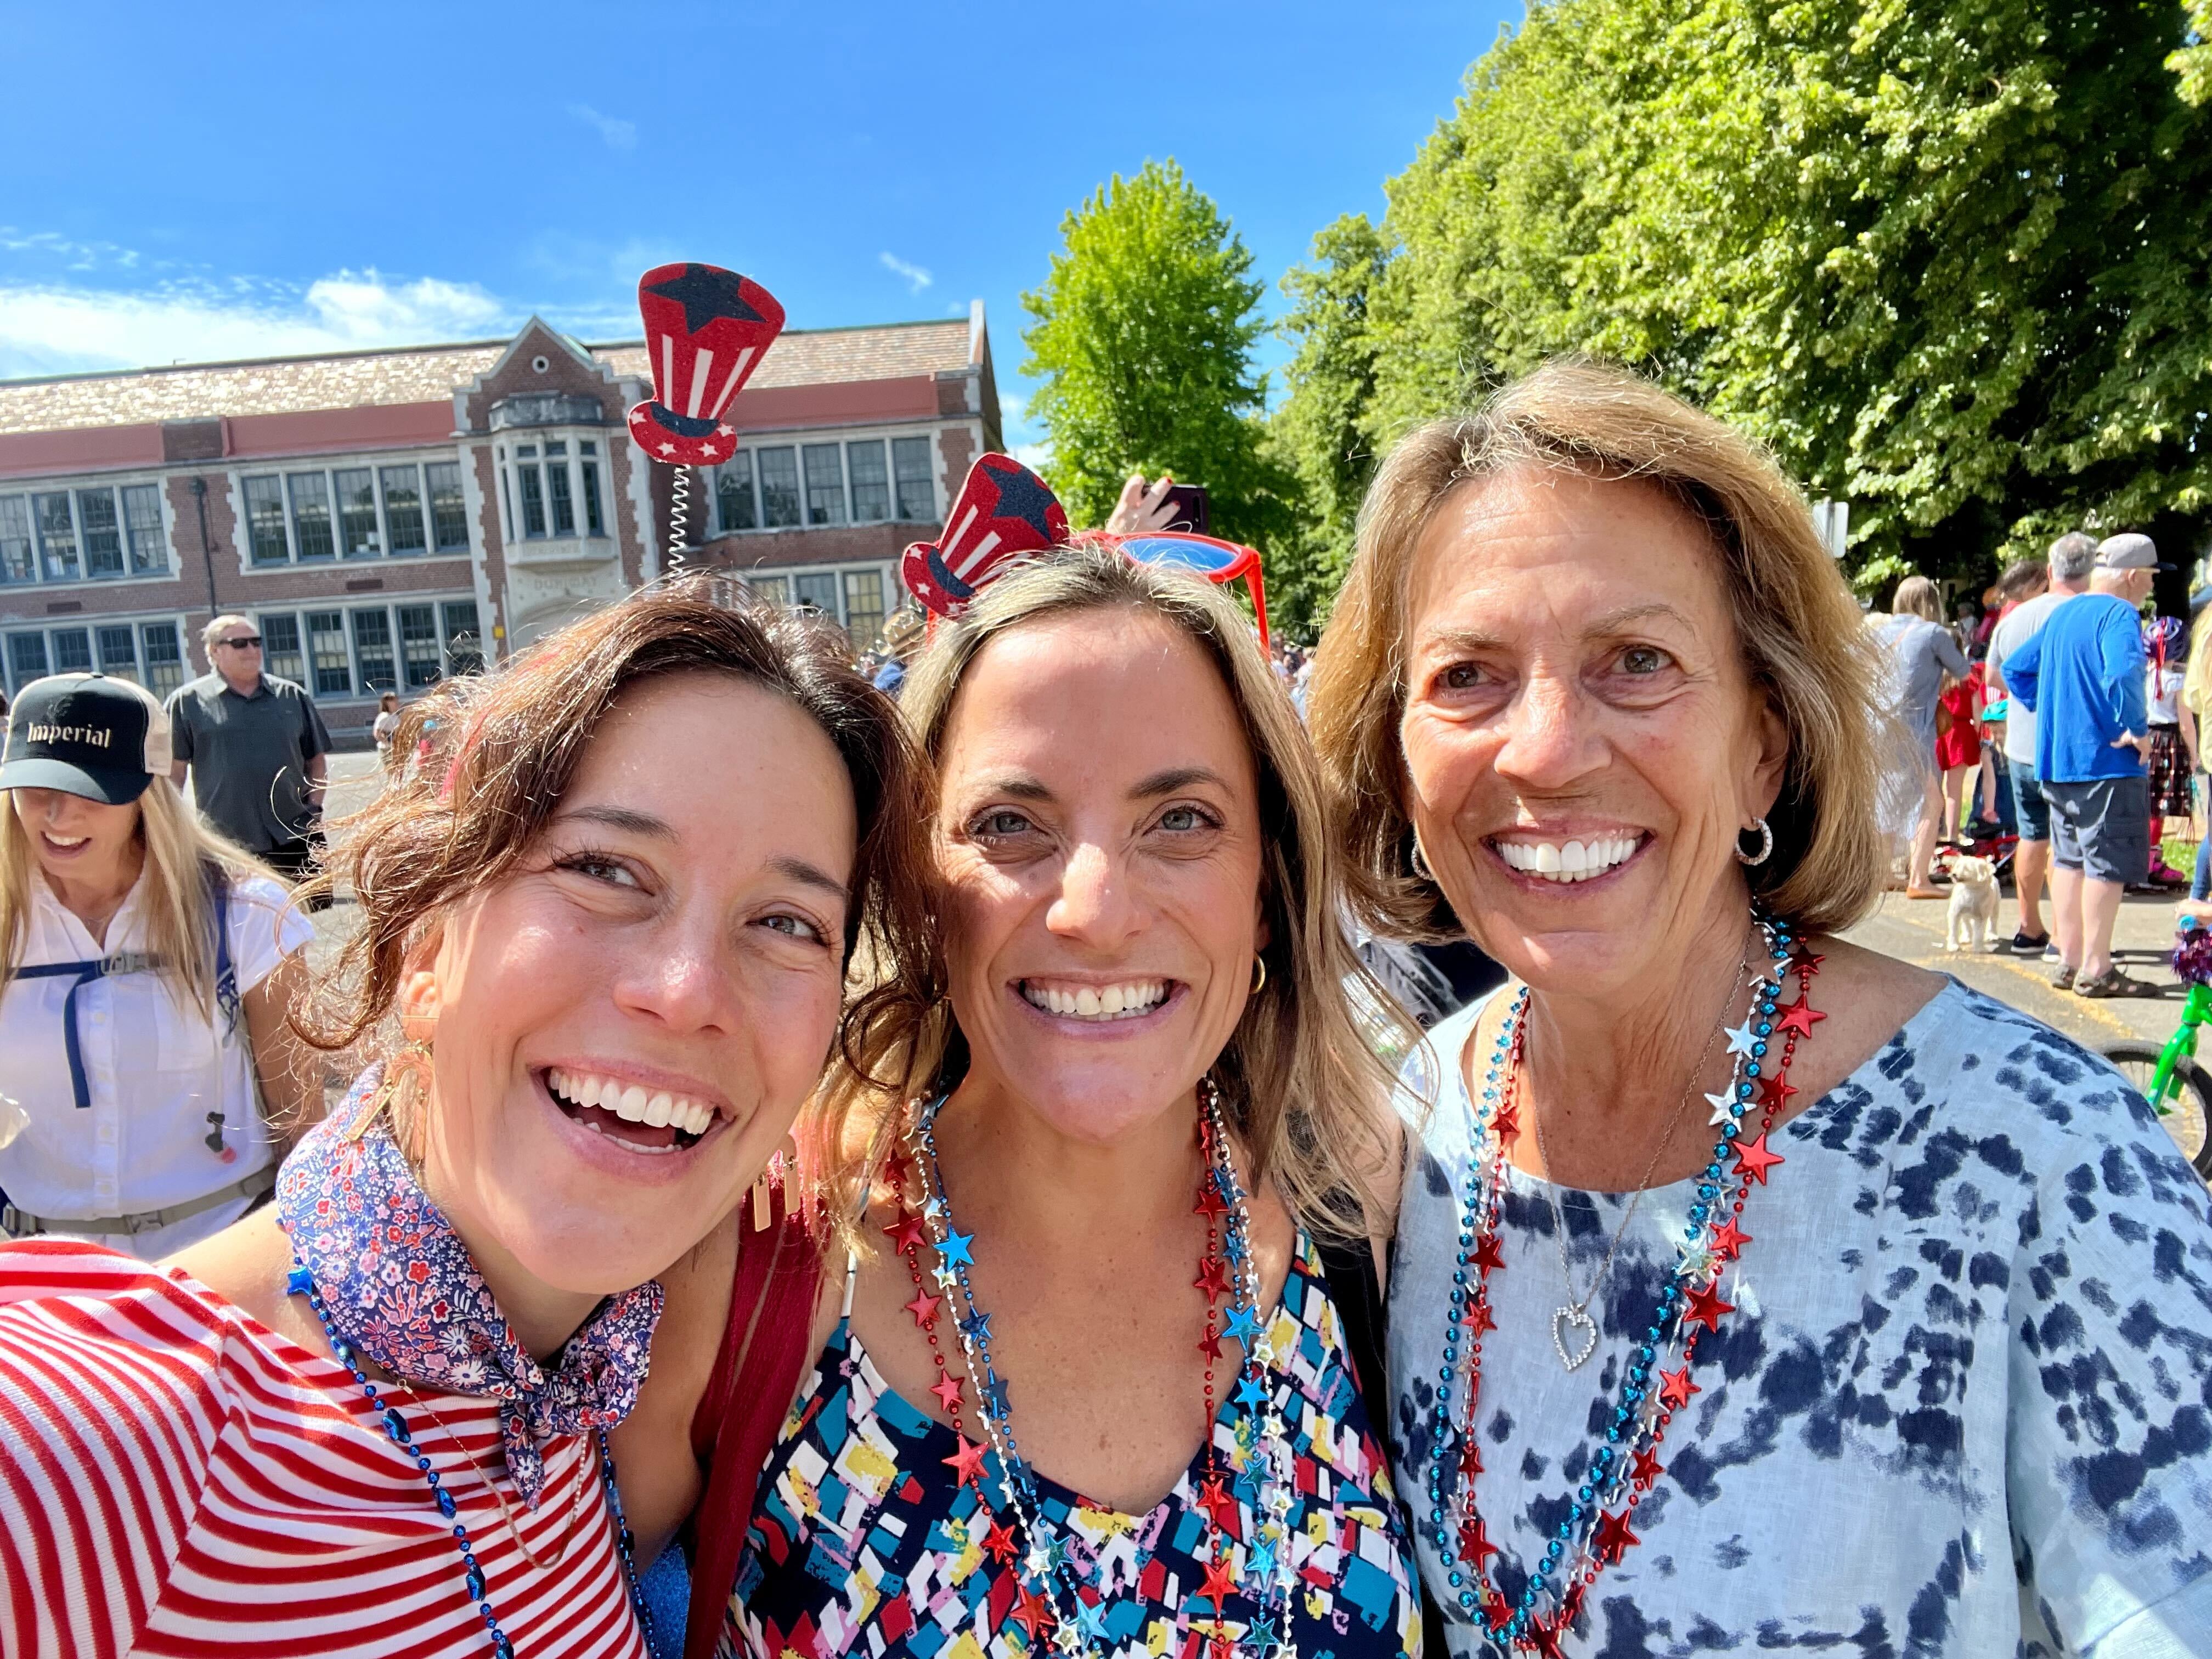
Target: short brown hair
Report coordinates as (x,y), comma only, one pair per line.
(1803,640)
(502,748)
(1299,1078)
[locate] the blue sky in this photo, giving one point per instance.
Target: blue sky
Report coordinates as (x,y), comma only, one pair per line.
(189,184)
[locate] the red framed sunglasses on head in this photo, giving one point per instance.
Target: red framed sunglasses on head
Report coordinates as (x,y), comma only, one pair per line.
(1209,557)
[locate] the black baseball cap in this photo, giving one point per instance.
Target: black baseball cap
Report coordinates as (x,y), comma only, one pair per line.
(85,734)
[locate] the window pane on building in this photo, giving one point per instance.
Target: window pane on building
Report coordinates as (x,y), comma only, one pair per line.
(531,487)
(26,658)
(778,487)
(311,514)
(557,496)
(595,522)
(357,532)
(103,532)
(449,514)
(771,590)
(119,652)
(871,484)
(56,536)
(825,485)
(327,648)
(403,510)
(165,657)
(265,520)
(418,646)
(917,490)
(864,607)
(142,517)
(733,494)
(72,649)
(371,651)
(817,591)
(280,647)
(15,562)
(464,643)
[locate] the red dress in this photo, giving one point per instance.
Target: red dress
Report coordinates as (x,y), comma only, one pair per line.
(1958,736)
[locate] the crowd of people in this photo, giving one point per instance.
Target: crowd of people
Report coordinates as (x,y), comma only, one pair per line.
(2079,728)
(901,1159)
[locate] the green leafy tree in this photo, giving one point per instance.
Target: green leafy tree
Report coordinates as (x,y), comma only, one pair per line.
(1143,340)
(1318,431)
(1949,257)
(2193,63)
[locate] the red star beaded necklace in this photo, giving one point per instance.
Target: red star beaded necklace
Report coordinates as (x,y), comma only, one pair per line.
(1597,1531)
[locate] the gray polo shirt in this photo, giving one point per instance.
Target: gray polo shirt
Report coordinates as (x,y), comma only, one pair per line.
(248,755)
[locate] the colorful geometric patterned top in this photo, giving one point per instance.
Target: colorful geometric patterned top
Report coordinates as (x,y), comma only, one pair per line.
(864,1541)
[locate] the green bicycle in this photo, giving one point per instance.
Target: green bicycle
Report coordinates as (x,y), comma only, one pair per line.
(2179,1089)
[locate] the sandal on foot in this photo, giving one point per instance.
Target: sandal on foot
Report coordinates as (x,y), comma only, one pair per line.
(2114,983)
(2062,979)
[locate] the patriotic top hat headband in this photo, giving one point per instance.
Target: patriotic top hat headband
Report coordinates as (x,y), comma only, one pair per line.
(706,330)
(1004,510)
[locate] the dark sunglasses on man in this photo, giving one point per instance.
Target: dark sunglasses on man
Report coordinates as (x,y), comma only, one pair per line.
(243,642)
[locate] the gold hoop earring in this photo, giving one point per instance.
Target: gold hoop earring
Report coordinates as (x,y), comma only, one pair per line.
(1259,975)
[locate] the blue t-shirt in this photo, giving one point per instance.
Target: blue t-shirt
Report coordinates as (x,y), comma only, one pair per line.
(2081,675)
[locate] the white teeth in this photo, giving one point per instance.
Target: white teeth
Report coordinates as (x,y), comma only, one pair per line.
(1124,1002)
(633,1103)
(1568,862)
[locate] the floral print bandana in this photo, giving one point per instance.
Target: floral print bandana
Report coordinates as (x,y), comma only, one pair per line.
(400,1287)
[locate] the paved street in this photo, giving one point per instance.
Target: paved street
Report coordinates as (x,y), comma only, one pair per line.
(1913,929)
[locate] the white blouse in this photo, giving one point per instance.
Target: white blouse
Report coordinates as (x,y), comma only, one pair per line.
(154,1070)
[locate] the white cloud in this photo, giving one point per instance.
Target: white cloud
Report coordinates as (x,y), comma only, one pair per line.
(618,133)
(56,329)
(1035,456)
(916,278)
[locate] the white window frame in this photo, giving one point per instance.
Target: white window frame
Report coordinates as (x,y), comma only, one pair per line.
(91,624)
(389,604)
(789,575)
(115,484)
(710,478)
(374,463)
(509,465)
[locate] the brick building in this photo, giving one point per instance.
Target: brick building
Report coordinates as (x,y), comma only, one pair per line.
(390,517)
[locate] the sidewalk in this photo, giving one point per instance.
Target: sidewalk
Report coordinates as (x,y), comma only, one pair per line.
(1912,930)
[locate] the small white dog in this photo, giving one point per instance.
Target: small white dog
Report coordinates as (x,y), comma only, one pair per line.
(1973,903)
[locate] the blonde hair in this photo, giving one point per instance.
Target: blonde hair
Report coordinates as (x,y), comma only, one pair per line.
(1802,639)
(183,857)
(1917,597)
(1298,1078)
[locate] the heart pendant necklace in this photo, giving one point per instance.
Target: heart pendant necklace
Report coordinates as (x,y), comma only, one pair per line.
(1574,1333)
(1585,1329)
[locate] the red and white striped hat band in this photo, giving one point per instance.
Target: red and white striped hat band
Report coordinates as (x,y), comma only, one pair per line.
(706,330)
(1003,511)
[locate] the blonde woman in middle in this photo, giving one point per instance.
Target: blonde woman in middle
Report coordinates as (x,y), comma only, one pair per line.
(1095,1370)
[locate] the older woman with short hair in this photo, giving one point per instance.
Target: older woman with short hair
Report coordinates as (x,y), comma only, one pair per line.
(1752,1289)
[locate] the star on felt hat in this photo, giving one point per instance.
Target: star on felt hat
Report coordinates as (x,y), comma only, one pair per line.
(1003,511)
(706,330)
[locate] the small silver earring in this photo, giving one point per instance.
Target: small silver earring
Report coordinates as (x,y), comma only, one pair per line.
(1421,865)
(1765,844)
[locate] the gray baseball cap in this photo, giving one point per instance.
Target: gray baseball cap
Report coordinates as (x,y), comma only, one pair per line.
(2130,551)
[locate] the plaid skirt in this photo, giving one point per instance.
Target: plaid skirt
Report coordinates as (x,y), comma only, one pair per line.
(2169,773)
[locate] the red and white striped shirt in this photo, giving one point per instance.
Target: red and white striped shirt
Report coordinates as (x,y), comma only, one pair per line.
(177,1478)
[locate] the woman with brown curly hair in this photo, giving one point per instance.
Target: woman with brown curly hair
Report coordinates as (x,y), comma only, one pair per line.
(606,920)
(1753,1290)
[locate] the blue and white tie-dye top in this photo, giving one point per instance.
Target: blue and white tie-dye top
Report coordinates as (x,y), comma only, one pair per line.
(1964,1406)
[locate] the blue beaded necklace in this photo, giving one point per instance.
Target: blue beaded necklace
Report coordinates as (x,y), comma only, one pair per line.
(1626,1464)
(302,1283)
(1047,1572)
